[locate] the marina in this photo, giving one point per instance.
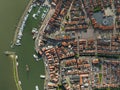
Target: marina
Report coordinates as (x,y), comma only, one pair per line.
(28,69)
(27,65)
(45,57)
(38,16)
(24,52)
(21,28)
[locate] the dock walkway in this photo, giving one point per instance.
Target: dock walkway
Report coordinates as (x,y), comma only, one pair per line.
(9,53)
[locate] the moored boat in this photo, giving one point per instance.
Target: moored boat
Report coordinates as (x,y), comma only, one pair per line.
(36,87)
(27,68)
(42,76)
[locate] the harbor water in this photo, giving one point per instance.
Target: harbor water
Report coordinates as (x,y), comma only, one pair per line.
(10,13)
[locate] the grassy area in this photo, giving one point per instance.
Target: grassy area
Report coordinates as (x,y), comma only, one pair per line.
(61,87)
(100,77)
(15,71)
(97,9)
(77,56)
(16,78)
(67,18)
(63,28)
(108,88)
(100,67)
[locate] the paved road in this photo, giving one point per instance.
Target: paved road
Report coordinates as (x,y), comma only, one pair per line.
(76,34)
(47,72)
(68,81)
(90,74)
(114,18)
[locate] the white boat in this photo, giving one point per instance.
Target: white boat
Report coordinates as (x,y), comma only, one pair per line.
(18,44)
(30,9)
(36,57)
(36,87)
(18,41)
(19,82)
(34,36)
(42,76)
(34,16)
(17,63)
(34,30)
(16,56)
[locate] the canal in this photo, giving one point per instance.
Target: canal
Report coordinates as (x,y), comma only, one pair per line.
(10,13)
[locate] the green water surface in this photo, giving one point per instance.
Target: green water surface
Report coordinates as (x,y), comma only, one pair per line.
(10,13)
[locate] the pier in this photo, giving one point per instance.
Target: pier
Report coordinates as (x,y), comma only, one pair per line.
(9,53)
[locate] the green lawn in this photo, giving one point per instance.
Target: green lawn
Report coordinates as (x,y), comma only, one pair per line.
(97,9)
(100,77)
